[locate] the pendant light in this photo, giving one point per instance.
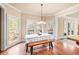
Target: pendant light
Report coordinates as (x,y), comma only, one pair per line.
(42,22)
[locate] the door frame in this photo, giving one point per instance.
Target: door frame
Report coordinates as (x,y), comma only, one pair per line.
(3,27)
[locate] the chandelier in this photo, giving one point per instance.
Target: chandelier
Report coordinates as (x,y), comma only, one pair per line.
(41,22)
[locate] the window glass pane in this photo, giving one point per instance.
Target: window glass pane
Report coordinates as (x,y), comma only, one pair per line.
(14,24)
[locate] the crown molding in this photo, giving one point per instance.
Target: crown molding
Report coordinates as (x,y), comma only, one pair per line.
(13,7)
(68,11)
(27,12)
(36,14)
(30,12)
(72,18)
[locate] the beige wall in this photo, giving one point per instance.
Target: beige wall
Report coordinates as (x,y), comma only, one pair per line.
(60,26)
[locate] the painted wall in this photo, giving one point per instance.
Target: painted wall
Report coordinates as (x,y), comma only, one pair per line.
(60,27)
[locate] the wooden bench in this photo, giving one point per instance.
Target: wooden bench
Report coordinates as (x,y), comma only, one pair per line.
(37,43)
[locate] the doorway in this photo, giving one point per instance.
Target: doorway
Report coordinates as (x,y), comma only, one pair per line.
(3,31)
(0,29)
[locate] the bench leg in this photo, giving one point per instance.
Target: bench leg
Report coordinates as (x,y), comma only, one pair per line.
(31,50)
(51,44)
(27,47)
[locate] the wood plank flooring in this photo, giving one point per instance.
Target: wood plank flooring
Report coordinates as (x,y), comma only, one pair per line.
(61,47)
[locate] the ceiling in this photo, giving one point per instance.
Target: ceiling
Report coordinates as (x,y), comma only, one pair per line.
(35,8)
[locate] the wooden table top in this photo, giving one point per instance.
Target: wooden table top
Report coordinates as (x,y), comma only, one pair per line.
(74,37)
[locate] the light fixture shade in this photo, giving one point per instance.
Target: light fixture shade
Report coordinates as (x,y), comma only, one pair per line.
(41,22)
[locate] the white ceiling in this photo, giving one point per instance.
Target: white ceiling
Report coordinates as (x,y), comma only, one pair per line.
(35,8)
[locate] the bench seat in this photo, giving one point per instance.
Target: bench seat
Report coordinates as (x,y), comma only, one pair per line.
(38,43)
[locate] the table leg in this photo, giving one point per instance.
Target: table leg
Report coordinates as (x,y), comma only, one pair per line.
(31,50)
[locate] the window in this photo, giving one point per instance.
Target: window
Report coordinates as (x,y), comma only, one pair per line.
(13,27)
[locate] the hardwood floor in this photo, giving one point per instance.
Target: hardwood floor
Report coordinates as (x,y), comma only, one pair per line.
(61,47)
